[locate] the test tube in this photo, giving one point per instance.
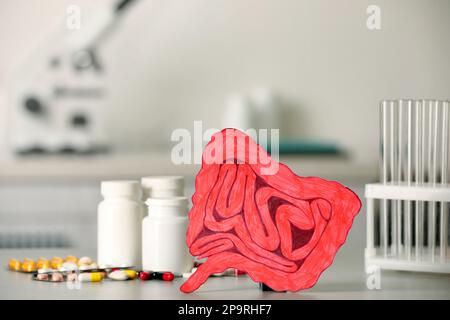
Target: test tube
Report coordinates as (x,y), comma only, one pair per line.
(384,176)
(408,220)
(443,241)
(394,176)
(433,141)
(399,175)
(423,163)
(418,178)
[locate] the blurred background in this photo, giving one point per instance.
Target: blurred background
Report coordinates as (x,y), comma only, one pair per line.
(92,90)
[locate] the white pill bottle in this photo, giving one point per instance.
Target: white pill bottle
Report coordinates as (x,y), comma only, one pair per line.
(162,186)
(119,228)
(164,236)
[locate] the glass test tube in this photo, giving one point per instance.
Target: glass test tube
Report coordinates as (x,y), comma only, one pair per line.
(443,241)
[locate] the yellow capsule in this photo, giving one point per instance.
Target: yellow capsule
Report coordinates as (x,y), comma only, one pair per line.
(14,265)
(56,262)
(131,274)
(29,266)
(71,259)
(90,277)
(43,264)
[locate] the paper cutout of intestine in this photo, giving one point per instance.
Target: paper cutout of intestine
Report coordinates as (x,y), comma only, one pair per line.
(281,229)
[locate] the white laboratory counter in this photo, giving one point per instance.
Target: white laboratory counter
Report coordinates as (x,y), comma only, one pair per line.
(345,279)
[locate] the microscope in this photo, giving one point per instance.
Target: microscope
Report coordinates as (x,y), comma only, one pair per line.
(57,97)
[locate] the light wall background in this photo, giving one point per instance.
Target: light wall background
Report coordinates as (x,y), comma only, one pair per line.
(175,61)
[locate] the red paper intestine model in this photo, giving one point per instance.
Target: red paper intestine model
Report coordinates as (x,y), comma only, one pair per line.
(281,229)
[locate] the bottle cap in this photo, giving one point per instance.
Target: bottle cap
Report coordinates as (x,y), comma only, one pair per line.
(124,188)
(168,202)
(163,182)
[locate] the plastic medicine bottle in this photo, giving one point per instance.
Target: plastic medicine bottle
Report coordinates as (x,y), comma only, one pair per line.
(164,236)
(162,186)
(119,228)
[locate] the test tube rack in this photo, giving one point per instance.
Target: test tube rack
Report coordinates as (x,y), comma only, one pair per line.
(408,211)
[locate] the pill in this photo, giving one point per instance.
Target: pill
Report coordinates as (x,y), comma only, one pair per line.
(42,277)
(69,266)
(85,267)
(72,277)
(56,262)
(91,277)
(29,266)
(188,274)
(131,274)
(85,261)
(14,264)
(119,275)
(166,276)
(71,259)
(57,277)
(45,270)
(43,264)
(144,275)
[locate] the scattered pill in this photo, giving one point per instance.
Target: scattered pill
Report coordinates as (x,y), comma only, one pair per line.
(144,275)
(72,277)
(150,275)
(119,275)
(131,274)
(85,267)
(45,270)
(71,259)
(14,265)
(188,274)
(43,264)
(91,277)
(85,261)
(69,266)
(166,276)
(56,262)
(42,277)
(57,277)
(29,266)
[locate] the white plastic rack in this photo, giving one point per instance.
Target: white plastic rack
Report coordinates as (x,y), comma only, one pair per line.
(408,211)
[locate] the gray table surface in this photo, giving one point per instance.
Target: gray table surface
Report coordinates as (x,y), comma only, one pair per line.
(345,279)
